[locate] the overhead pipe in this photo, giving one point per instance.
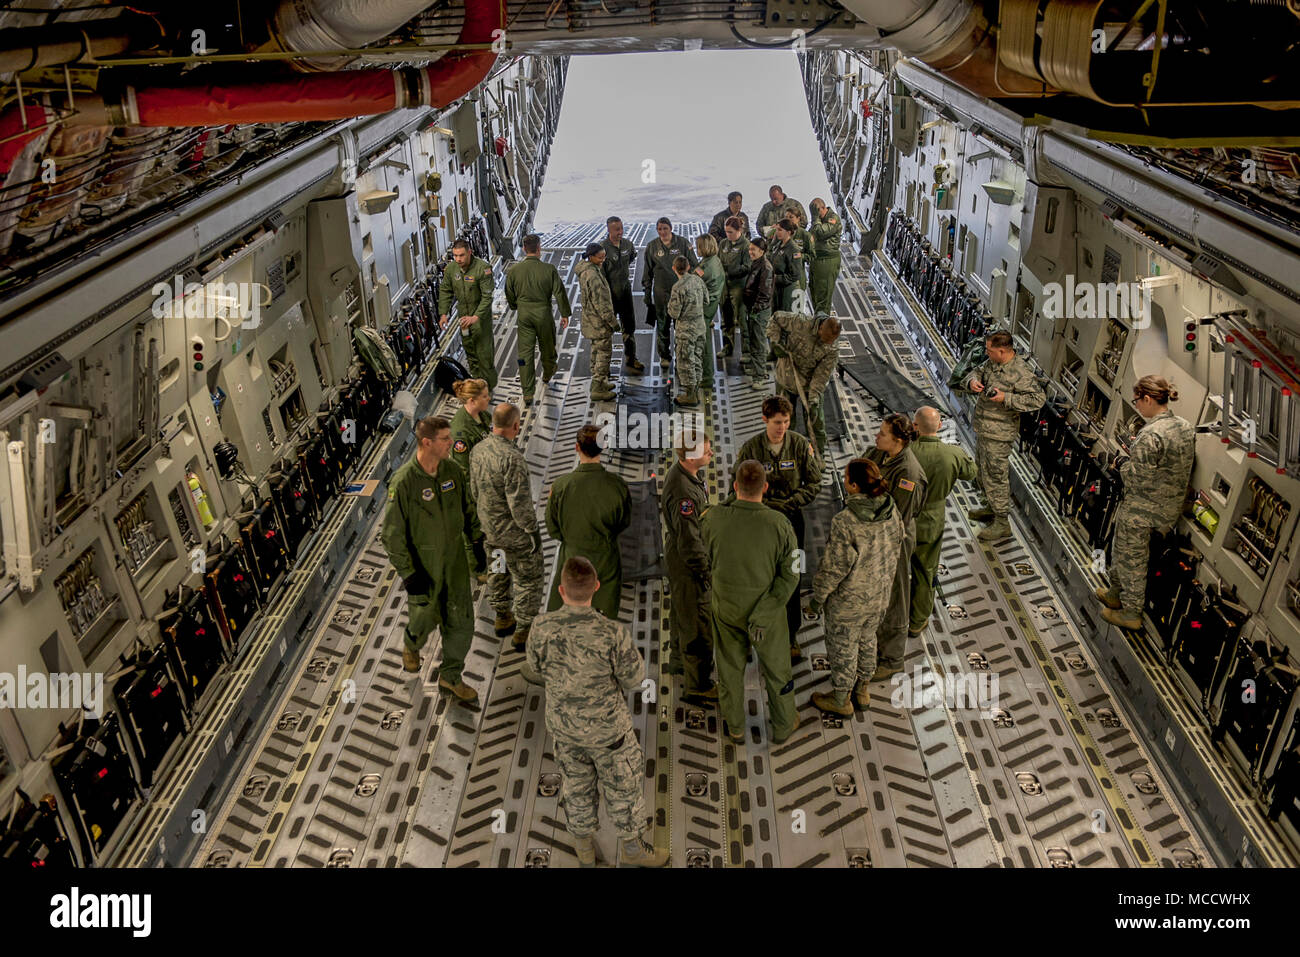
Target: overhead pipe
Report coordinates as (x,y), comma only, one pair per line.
(299,25)
(69,41)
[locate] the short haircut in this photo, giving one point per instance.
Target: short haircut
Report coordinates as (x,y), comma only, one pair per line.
(587,440)
(505,415)
(760,242)
(689,441)
(775,189)
(928,420)
(829,330)
(462,244)
(733,222)
(532,243)
(612,220)
(734,194)
(681,264)
(865,474)
(750,477)
(579,578)
(429,427)
(787,224)
(777,405)
(706,244)
(664,221)
(1000,340)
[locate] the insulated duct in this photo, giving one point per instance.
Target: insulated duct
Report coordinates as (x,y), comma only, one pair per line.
(339,24)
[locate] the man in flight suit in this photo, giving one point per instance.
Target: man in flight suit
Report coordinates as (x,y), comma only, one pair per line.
(619,257)
(752,567)
(424,532)
(658,279)
(794,477)
(587,511)
(530,284)
(683,500)
(469,281)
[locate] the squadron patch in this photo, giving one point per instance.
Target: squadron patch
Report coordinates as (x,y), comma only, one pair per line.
(907,485)
(426,494)
(460,446)
(687,507)
(448,485)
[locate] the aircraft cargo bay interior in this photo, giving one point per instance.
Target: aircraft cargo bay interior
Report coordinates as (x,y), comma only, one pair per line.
(769,435)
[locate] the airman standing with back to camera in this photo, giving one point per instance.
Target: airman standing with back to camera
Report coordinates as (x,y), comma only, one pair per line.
(1006,386)
(503,495)
(425,527)
(469,280)
(530,286)
(589,666)
(598,320)
(853,585)
(684,499)
(1155,476)
(906,481)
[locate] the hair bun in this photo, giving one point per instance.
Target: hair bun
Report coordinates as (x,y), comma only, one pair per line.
(1173,395)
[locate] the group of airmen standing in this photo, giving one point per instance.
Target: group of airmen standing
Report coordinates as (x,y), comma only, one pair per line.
(463,506)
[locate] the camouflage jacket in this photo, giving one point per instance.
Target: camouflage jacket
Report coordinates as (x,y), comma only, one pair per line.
(598,319)
(686,302)
(719,225)
(503,493)
(812,360)
(1157,472)
(589,666)
(772,213)
(1000,421)
(855,576)
(826,234)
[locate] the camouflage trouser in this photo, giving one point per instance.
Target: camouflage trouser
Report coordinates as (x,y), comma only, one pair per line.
(925,560)
(814,418)
(450,606)
(825,270)
(525,570)
(992,458)
(620,772)
(1130,553)
(731,645)
(602,350)
(851,648)
(690,635)
(892,635)
(690,355)
(756,343)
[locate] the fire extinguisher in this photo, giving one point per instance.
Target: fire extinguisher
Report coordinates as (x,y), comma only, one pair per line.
(501,146)
(866,109)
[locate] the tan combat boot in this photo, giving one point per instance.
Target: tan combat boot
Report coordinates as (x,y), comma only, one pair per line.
(520,640)
(862,696)
(635,852)
(461,691)
(585,847)
(410,659)
(1109,597)
(831,704)
(981,514)
(691,398)
(1122,619)
(793,728)
(999,530)
(601,391)
(885,672)
(504,623)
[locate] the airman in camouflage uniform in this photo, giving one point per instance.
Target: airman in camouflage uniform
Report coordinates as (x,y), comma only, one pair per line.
(503,496)
(469,426)
(424,530)
(1155,485)
(807,357)
(590,666)
(469,281)
(776,209)
(1006,386)
(686,307)
(690,633)
(944,466)
(752,568)
(599,323)
(826,232)
(853,585)
(906,482)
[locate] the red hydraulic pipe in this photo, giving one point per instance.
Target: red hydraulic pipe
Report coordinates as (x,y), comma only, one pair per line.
(15,133)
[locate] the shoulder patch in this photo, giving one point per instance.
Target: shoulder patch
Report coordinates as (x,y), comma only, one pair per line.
(426,493)
(448,485)
(907,485)
(460,446)
(686,507)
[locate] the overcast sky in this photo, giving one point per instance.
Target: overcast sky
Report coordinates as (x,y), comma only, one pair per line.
(710,121)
